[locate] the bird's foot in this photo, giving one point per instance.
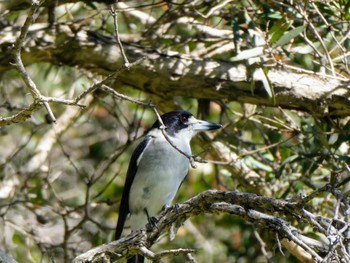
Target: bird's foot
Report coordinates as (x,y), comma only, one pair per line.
(176,206)
(152,223)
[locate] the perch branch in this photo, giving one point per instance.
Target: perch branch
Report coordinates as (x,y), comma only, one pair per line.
(250,207)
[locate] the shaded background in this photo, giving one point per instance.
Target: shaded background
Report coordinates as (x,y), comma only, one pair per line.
(60,184)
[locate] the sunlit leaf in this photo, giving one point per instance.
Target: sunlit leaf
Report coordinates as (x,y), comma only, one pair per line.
(333,138)
(288,36)
(255,164)
(261,74)
(291,159)
(278,30)
(249,53)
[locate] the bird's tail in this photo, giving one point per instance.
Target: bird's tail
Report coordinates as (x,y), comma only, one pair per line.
(136,259)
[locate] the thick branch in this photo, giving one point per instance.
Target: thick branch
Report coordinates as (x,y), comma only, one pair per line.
(20,116)
(253,208)
(173,75)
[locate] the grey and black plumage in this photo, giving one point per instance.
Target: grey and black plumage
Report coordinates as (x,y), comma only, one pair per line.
(156,170)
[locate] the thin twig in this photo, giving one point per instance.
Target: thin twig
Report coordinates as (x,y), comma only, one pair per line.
(306,19)
(330,31)
(190,258)
(262,244)
(213,9)
(279,246)
(34,91)
(125,97)
(19,116)
(170,252)
(116,27)
(109,79)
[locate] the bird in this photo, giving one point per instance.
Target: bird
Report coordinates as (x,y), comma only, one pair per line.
(157,169)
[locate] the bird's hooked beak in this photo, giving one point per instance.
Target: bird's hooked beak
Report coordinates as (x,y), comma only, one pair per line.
(200,125)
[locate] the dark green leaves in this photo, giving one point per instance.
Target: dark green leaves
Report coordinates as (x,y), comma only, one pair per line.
(280,35)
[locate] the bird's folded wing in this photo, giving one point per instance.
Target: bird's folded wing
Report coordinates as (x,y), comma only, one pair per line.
(124,203)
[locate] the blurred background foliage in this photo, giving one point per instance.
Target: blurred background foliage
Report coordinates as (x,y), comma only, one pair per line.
(69,203)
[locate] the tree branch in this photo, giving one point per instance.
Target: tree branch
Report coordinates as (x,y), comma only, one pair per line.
(250,207)
(34,91)
(175,75)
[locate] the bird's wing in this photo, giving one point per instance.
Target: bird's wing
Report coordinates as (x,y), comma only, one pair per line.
(124,203)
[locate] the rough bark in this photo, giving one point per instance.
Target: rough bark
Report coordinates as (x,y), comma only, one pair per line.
(252,208)
(168,75)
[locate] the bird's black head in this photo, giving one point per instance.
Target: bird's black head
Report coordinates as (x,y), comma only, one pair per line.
(176,121)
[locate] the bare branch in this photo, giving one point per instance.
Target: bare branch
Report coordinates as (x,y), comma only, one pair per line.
(19,64)
(115,20)
(250,207)
(21,116)
(306,18)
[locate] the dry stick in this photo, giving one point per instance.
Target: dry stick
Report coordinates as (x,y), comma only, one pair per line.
(262,244)
(124,97)
(146,252)
(279,225)
(331,31)
(19,64)
(37,96)
(279,245)
(103,85)
(310,72)
(31,86)
(26,112)
(170,252)
(19,116)
(304,15)
(114,14)
(190,258)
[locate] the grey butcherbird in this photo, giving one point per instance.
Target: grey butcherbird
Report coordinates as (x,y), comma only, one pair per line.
(157,169)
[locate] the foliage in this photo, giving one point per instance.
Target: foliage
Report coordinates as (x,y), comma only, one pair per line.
(60,187)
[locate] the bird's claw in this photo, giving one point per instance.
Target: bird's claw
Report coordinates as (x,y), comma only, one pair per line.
(152,223)
(176,206)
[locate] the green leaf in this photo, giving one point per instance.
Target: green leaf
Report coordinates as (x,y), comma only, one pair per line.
(310,167)
(91,5)
(256,164)
(249,53)
(326,8)
(235,29)
(291,159)
(293,118)
(262,75)
(288,36)
(343,158)
(278,30)
(347,11)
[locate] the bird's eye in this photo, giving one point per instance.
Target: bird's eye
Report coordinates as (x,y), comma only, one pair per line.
(184,119)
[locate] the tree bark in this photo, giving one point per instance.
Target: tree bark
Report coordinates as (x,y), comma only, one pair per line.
(168,75)
(250,207)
